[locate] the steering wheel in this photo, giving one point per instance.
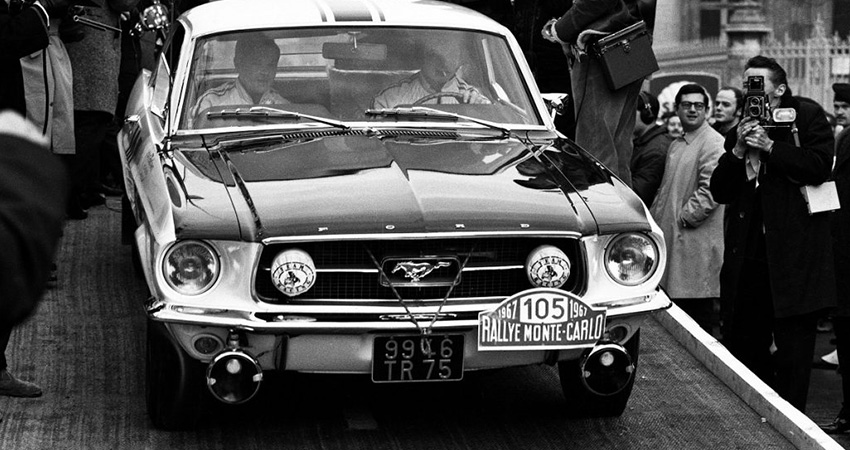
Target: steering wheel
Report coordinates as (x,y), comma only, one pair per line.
(457,95)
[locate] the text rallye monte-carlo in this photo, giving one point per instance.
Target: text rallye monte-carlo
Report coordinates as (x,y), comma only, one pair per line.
(393,201)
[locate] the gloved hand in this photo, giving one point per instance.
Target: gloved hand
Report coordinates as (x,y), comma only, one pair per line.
(472,96)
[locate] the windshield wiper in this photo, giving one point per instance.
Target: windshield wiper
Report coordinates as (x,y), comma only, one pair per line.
(266,111)
(424,112)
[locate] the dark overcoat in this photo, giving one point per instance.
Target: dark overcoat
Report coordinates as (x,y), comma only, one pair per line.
(841,222)
(33,188)
(648,159)
(797,245)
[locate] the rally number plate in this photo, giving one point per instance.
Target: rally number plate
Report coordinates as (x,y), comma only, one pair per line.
(402,359)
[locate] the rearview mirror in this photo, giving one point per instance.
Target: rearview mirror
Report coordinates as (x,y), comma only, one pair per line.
(351,50)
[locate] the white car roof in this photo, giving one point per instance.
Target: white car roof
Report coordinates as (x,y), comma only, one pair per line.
(228,15)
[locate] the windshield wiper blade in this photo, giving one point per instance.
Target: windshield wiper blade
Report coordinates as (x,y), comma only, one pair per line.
(266,111)
(415,112)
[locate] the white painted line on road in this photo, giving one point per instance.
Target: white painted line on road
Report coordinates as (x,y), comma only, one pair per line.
(786,419)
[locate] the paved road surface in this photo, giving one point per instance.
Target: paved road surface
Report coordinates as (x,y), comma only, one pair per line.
(85,348)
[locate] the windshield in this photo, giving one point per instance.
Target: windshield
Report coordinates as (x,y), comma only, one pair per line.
(341,73)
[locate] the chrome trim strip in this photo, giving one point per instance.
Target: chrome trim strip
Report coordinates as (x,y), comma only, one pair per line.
(466,269)
(493,268)
(379,302)
(375,271)
(417,236)
(248,320)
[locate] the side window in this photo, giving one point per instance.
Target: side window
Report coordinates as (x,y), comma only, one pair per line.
(165,70)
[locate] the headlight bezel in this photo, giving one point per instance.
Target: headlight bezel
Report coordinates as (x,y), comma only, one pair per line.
(168,266)
(614,245)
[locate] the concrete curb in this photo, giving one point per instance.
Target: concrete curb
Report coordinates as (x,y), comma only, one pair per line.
(791,423)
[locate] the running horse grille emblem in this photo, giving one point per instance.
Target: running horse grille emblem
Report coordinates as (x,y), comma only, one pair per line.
(418,270)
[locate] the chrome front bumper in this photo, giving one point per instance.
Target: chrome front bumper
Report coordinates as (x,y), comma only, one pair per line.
(346,347)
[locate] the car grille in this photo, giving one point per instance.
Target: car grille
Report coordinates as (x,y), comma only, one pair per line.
(495,269)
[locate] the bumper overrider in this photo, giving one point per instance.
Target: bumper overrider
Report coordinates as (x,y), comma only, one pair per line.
(397,341)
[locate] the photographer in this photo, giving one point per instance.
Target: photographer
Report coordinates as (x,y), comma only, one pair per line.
(777,277)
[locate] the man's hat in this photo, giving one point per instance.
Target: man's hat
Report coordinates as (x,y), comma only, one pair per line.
(842,92)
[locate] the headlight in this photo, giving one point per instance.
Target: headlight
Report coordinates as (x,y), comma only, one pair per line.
(190,267)
(293,272)
(631,258)
(547,266)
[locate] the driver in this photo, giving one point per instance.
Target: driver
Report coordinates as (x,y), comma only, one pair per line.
(255,59)
(438,74)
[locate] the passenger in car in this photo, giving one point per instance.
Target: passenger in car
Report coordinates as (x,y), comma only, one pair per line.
(437,82)
(255,60)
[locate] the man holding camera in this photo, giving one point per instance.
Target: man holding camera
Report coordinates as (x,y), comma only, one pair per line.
(776,278)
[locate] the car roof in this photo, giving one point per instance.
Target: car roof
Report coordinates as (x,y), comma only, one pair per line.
(241,15)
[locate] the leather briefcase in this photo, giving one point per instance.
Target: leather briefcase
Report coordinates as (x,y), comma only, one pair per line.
(626,56)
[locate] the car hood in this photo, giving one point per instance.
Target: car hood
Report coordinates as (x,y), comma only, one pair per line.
(360,184)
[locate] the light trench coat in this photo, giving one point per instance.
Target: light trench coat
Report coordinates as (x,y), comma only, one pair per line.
(48,87)
(691,220)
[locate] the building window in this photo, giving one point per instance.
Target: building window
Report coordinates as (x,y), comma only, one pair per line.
(709,23)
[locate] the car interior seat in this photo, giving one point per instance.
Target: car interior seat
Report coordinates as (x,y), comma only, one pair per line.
(352,91)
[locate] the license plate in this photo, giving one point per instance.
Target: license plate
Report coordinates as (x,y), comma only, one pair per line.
(400,359)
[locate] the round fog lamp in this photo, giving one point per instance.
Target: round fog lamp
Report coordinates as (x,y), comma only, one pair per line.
(618,333)
(234,376)
(547,266)
(207,344)
(293,272)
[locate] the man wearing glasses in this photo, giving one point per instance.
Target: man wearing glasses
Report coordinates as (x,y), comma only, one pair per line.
(687,213)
